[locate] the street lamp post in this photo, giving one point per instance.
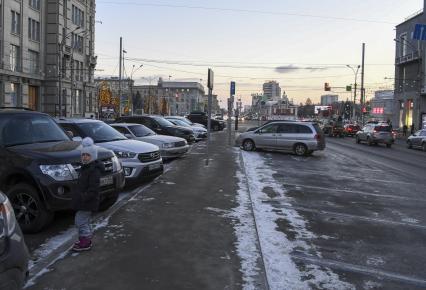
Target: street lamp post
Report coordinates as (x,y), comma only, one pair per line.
(355,88)
(131,85)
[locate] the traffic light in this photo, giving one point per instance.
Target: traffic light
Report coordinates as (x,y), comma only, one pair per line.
(327,87)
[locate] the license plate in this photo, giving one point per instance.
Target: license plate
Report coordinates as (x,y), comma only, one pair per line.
(108,180)
(154,166)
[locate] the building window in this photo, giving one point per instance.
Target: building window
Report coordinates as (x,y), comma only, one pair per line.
(77,17)
(77,101)
(77,42)
(16,22)
(33,60)
(14,58)
(35,4)
(403,44)
(33,29)
(14,94)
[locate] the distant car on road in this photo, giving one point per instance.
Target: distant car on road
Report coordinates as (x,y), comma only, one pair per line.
(301,138)
(351,129)
(170,147)
(417,140)
(13,251)
(374,134)
(141,161)
(201,117)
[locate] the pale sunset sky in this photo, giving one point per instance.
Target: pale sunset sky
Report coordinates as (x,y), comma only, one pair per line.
(246,41)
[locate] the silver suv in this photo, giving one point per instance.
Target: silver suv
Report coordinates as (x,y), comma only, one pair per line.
(301,138)
(417,140)
(375,134)
(141,160)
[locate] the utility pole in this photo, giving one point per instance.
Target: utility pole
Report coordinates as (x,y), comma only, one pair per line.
(362,84)
(119,75)
(210,83)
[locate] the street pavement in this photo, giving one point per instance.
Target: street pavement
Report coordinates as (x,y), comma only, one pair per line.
(350,217)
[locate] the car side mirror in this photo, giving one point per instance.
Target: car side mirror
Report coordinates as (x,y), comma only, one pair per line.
(77,139)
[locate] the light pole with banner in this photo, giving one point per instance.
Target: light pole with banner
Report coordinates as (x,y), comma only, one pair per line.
(230,109)
(355,88)
(210,83)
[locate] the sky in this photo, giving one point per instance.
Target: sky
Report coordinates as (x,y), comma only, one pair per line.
(247,41)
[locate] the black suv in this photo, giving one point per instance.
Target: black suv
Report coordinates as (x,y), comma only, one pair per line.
(201,118)
(160,126)
(13,251)
(40,167)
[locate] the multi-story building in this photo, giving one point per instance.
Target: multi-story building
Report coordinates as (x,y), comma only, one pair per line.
(328,100)
(172,98)
(272,90)
(410,68)
(382,105)
(45,45)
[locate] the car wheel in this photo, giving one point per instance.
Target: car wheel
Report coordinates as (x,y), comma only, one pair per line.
(424,146)
(409,145)
(108,202)
(30,211)
(300,149)
(358,141)
(248,145)
(389,145)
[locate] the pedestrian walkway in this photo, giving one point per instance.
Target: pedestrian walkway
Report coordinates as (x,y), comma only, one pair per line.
(173,235)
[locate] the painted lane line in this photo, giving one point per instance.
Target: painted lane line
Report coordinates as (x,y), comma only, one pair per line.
(350,216)
(355,192)
(360,269)
(341,177)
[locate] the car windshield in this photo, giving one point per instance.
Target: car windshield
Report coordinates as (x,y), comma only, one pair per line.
(163,122)
(28,129)
(141,131)
(100,132)
(382,128)
(180,123)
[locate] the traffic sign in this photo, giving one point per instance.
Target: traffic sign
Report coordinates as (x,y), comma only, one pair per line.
(210,80)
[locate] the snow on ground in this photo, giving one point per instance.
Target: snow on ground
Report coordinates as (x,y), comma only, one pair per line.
(245,230)
(276,246)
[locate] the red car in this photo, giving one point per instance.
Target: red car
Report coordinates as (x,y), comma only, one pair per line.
(351,130)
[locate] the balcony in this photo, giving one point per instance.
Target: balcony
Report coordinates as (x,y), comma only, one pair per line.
(410,57)
(92,60)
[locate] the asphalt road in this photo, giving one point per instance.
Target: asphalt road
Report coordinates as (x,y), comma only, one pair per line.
(364,206)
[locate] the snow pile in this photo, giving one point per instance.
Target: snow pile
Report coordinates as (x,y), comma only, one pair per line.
(282,272)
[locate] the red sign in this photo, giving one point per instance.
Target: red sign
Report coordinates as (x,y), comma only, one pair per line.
(378,111)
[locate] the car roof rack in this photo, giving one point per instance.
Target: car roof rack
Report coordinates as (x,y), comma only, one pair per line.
(16,108)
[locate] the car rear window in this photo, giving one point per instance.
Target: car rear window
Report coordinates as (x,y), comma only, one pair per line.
(382,128)
(317,128)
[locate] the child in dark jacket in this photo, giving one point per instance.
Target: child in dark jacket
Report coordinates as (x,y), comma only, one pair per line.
(87,200)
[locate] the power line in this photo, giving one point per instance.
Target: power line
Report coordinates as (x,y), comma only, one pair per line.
(250,11)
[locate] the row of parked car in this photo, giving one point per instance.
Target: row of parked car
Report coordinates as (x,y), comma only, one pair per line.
(41,160)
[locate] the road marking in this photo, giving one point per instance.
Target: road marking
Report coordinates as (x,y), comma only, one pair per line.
(355,192)
(359,269)
(364,179)
(348,216)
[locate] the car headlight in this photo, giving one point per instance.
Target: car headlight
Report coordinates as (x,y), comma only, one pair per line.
(116,164)
(61,172)
(7,218)
(168,145)
(125,154)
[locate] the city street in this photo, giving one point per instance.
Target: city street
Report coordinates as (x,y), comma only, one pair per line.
(354,209)
(350,217)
